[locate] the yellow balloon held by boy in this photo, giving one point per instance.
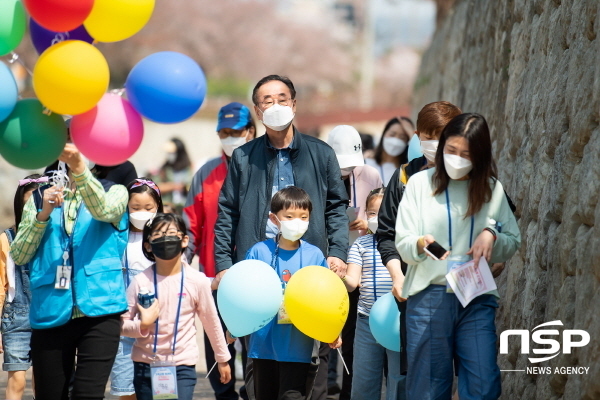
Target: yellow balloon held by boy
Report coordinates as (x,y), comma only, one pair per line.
(71,77)
(316,301)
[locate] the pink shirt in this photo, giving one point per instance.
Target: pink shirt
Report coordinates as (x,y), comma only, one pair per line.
(197,300)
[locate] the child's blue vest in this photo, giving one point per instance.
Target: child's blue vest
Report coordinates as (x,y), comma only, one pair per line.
(95,254)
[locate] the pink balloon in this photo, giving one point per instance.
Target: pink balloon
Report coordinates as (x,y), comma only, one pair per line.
(109,133)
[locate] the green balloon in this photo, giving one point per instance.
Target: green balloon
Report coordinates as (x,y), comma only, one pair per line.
(13,21)
(30,139)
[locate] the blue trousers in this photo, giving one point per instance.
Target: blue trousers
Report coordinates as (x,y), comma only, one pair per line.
(369,358)
(441,334)
(186,381)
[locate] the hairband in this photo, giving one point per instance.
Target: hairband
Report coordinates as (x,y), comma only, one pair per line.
(23,182)
(141,182)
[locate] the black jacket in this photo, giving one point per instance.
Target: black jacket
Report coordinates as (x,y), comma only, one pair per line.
(245,198)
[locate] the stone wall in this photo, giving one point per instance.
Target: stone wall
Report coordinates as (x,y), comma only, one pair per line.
(532,68)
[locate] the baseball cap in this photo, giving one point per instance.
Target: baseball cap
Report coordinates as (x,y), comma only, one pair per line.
(233,116)
(347,145)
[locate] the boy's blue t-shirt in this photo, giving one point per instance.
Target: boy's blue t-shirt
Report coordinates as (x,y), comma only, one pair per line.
(283,342)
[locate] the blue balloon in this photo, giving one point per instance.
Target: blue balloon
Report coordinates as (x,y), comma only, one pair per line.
(384,321)
(8,93)
(249,296)
(414,148)
(166,87)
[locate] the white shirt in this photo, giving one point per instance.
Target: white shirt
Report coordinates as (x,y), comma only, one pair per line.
(386,170)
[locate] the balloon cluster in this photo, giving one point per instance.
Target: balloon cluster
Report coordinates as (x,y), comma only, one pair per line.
(315,299)
(71,77)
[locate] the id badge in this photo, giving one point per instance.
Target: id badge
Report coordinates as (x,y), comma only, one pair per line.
(454,262)
(63,277)
(282,315)
(164,380)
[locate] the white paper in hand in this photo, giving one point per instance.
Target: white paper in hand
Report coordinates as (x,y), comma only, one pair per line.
(469,281)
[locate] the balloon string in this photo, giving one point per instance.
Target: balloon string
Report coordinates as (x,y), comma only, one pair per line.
(213,367)
(15,57)
(118,91)
(343,362)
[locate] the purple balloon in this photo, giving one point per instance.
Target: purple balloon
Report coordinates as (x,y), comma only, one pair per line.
(42,38)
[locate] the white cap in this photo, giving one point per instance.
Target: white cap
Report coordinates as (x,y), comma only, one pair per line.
(347,145)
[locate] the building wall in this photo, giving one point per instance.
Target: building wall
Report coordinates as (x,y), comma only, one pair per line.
(531,67)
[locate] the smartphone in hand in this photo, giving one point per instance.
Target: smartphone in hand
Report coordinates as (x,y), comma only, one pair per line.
(435,250)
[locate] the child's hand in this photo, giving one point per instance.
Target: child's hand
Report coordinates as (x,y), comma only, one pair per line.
(225,372)
(148,315)
(337,343)
(230,339)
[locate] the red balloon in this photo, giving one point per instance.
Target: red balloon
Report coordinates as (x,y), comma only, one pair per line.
(59,15)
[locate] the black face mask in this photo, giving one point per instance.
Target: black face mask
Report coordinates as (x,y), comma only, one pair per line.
(166,247)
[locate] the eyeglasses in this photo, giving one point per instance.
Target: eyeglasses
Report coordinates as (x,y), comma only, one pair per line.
(282,102)
(170,232)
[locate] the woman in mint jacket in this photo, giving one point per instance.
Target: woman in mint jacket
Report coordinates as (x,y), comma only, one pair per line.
(461,205)
(74,241)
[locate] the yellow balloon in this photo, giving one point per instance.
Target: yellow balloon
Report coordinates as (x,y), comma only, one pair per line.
(115,20)
(71,77)
(316,301)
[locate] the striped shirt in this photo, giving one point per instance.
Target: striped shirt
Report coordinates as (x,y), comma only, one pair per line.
(375,281)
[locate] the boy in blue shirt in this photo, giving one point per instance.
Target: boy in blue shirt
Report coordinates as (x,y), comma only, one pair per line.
(280,353)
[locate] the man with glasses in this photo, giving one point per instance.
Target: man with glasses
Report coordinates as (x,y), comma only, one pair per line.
(281,158)
(235,127)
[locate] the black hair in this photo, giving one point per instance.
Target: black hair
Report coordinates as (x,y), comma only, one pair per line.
(367,141)
(374,193)
(270,78)
(403,158)
(474,129)
(144,188)
(19,204)
(158,222)
(291,197)
(182,159)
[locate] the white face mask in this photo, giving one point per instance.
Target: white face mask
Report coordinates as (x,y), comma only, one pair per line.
(140,218)
(429,148)
(277,117)
(394,146)
(293,229)
(373,223)
(231,143)
(171,157)
(347,171)
(457,167)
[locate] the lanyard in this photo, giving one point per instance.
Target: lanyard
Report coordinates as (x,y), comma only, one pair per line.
(450,223)
(275,258)
(127,266)
(374,268)
(354,189)
(178,309)
(63,225)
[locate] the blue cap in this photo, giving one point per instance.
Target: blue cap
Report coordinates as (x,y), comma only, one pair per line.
(233,116)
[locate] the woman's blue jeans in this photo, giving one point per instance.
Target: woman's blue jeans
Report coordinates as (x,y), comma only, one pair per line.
(442,334)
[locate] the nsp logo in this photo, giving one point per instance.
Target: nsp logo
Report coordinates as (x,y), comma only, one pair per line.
(541,337)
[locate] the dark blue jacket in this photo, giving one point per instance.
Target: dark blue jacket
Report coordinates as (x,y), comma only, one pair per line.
(245,198)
